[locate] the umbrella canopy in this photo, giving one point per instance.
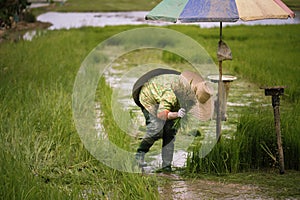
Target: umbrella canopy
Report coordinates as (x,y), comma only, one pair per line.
(219,10)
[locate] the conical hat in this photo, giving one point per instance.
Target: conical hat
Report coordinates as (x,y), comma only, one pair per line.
(203,109)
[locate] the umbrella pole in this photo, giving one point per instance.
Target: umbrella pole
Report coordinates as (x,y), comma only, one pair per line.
(220,31)
(219,102)
(218,127)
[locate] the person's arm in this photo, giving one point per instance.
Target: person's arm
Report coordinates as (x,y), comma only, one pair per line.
(163,115)
(172,115)
(167,115)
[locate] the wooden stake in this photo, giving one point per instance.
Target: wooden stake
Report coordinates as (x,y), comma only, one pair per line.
(275,92)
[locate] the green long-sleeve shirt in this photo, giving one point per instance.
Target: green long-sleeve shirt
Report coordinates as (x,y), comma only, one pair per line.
(157,95)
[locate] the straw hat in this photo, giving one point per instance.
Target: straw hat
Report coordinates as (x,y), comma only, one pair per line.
(203,109)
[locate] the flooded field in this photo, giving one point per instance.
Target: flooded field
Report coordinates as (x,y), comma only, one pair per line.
(242,94)
(122,73)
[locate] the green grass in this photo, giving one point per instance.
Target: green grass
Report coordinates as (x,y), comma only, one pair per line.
(99,6)
(292,4)
(260,54)
(107,5)
(42,155)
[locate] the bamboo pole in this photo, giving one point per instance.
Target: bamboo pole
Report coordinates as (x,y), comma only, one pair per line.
(219,126)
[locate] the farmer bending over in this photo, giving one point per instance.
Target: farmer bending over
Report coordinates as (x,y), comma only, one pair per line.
(164,96)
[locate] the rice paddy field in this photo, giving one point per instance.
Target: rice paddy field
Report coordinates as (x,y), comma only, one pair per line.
(43,157)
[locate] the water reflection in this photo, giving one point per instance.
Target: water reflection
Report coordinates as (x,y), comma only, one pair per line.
(100,19)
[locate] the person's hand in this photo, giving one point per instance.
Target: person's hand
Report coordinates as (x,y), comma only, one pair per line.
(181,112)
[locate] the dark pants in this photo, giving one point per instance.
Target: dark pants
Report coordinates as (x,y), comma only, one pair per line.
(156,129)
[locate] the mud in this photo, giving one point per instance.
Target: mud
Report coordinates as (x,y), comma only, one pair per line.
(177,188)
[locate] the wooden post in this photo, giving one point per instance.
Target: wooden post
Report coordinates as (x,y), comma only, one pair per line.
(218,121)
(218,125)
(275,92)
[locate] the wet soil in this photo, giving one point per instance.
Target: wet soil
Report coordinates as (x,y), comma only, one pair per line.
(175,187)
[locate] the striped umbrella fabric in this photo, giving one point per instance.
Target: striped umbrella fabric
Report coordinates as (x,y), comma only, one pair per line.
(188,11)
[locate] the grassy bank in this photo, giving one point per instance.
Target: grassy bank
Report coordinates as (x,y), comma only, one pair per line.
(41,154)
(96,6)
(107,5)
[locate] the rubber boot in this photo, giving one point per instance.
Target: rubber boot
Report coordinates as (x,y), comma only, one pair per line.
(140,158)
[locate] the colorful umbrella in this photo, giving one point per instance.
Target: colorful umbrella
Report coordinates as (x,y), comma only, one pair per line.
(219,10)
(189,11)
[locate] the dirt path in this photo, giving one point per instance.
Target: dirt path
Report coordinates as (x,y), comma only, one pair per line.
(176,188)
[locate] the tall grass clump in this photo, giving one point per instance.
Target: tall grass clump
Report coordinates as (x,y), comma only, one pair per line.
(252,147)
(259,141)
(115,134)
(291,138)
